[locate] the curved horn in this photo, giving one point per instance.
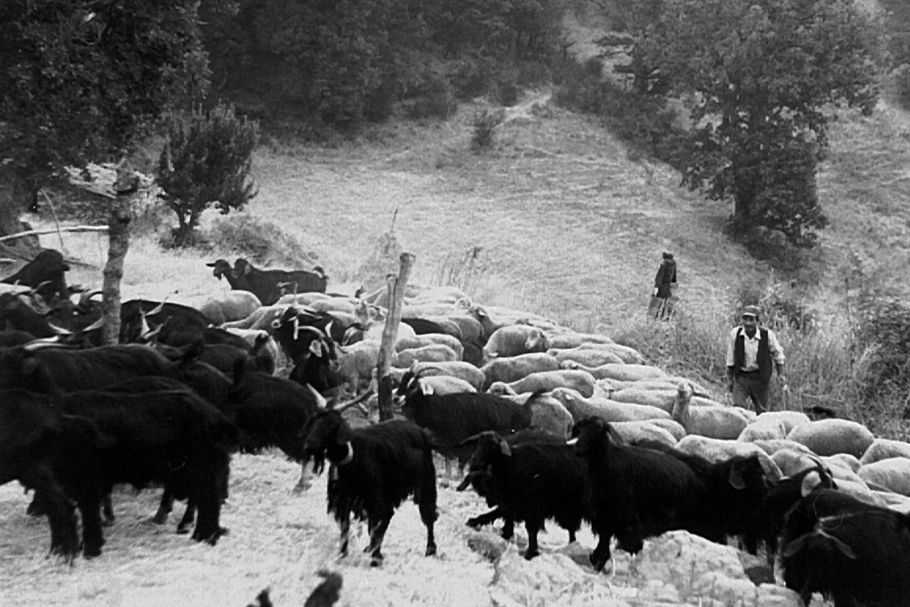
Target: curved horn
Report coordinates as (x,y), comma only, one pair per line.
(356,401)
(87,296)
(320,399)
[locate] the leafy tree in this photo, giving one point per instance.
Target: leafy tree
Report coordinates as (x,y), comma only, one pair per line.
(759,78)
(207,161)
(83,80)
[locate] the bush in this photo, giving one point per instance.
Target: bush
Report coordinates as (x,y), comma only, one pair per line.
(484,124)
(260,241)
(206,160)
(901,83)
(883,338)
(431,97)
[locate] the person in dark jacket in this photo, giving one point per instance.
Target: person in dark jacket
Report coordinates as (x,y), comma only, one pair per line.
(664,292)
(752,354)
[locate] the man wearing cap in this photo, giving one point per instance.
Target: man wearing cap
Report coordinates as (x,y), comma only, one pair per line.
(751,353)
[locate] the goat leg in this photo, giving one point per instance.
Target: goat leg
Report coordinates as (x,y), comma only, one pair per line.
(532,527)
(377,534)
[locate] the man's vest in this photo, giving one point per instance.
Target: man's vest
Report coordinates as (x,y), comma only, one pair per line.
(763,358)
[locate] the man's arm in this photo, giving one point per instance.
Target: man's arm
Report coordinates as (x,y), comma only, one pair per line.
(777,354)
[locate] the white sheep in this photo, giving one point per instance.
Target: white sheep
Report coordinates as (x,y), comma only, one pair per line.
(773,424)
(232,305)
(550,416)
(635,432)
(716,421)
(668,384)
(430,353)
(513,368)
(588,356)
(571,339)
(882,448)
(620,372)
(460,369)
(892,473)
(429,339)
(513,340)
(608,410)
(773,445)
(718,450)
(660,398)
(793,461)
(830,436)
(447,384)
(357,362)
(544,381)
(844,460)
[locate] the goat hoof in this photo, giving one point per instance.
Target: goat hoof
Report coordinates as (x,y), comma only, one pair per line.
(431,550)
(160,518)
(376,561)
(182,529)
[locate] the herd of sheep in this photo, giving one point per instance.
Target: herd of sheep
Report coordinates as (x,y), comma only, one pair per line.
(544,423)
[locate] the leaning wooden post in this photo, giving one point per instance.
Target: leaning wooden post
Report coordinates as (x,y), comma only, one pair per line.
(125,186)
(397,287)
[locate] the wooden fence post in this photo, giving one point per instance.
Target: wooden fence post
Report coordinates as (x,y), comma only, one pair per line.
(125,186)
(390,334)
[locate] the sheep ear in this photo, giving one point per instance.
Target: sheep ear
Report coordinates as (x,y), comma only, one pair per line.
(426,389)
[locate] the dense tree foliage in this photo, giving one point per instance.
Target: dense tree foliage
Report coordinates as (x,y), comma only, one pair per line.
(83,80)
(206,161)
(759,78)
(342,62)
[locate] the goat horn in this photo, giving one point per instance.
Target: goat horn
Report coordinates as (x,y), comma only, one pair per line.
(355,401)
(87,296)
(320,399)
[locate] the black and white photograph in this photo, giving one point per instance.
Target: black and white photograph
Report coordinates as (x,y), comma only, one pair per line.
(455,303)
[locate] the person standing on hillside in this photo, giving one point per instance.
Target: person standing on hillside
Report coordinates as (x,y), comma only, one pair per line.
(664,293)
(751,353)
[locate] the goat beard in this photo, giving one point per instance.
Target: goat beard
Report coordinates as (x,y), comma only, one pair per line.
(318,463)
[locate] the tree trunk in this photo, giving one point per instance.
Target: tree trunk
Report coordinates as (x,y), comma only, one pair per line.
(397,287)
(118,243)
(14,198)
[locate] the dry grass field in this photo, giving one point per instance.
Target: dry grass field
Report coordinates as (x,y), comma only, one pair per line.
(566,224)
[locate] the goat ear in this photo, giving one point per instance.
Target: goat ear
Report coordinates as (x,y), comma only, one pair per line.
(316,348)
(810,482)
(426,389)
(614,436)
(504,447)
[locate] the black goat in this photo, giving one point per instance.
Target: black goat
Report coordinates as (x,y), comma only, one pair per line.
(373,470)
(46,273)
(268,285)
(39,445)
(850,551)
(452,418)
(529,481)
(766,526)
(637,492)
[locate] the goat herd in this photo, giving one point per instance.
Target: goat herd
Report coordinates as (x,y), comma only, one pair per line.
(552,425)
